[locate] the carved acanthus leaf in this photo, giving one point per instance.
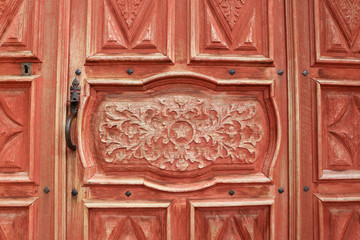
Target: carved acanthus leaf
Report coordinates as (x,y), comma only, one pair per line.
(231,10)
(129,10)
(181,132)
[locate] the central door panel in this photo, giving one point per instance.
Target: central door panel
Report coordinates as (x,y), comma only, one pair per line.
(181,131)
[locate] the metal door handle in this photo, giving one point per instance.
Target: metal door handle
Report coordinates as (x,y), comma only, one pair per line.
(67,131)
(74,106)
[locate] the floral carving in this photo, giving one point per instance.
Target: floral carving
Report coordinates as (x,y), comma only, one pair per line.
(129,9)
(181,132)
(347,13)
(231,10)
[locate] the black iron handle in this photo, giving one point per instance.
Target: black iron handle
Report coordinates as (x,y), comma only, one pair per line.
(67,131)
(74,106)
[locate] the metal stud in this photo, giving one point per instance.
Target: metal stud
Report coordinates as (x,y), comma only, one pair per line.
(305,73)
(280,72)
(128,193)
(130,71)
(232,71)
(231,192)
(74,192)
(46,190)
(281,190)
(306,188)
(78,72)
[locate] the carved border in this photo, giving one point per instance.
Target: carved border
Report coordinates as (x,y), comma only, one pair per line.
(92,56)
(90,204)
(92,177)
(316,55)
(319,200)
(23,177)
(35,35)
(30,203)
(321,173)
(196,56)
(240,202)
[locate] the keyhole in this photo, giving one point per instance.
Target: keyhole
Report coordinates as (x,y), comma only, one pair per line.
(26,68)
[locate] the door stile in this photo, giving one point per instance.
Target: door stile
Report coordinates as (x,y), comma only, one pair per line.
(60,173)
(293,119)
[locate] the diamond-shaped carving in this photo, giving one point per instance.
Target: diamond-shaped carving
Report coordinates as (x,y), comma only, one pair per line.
(9,128)
(130,14)
(347,15)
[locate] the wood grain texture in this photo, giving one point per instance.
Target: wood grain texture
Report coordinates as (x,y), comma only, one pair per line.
(231,31)
(130,30)
(201,120)
(338,120)
(21,29)
(326,41)
(182,132)
(337,216)
(337,28)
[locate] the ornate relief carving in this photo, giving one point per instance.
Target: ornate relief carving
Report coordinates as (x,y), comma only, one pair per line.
(231,10)
(129,9)
(347,15)
(181,132)
(343,124)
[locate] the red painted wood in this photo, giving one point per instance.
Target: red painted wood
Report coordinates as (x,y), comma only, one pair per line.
(328,119)
(180,132)
(27,119)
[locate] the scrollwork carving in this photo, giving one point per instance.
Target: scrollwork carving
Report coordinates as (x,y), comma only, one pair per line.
(181,132)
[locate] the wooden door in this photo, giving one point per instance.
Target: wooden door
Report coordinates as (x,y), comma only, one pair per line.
(182,126)
(28,90)
(327,84)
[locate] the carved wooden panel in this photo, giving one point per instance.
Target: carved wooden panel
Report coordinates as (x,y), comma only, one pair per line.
(16,133)
(338,112)
(123,220)
(17,219)
(242,219)
(236,31)
(337,26)
(179,129)
(338,217)
(124,30)
(20,29)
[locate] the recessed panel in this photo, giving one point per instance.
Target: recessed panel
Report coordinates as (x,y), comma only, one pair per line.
(181,130)
(338,217)
(20,29)
(121,220)
(337,26)
(230,31)
(130,30)
(229,220)
(338,124)
(16,136)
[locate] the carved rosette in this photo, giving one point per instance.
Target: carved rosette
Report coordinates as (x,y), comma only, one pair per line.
(181,133)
